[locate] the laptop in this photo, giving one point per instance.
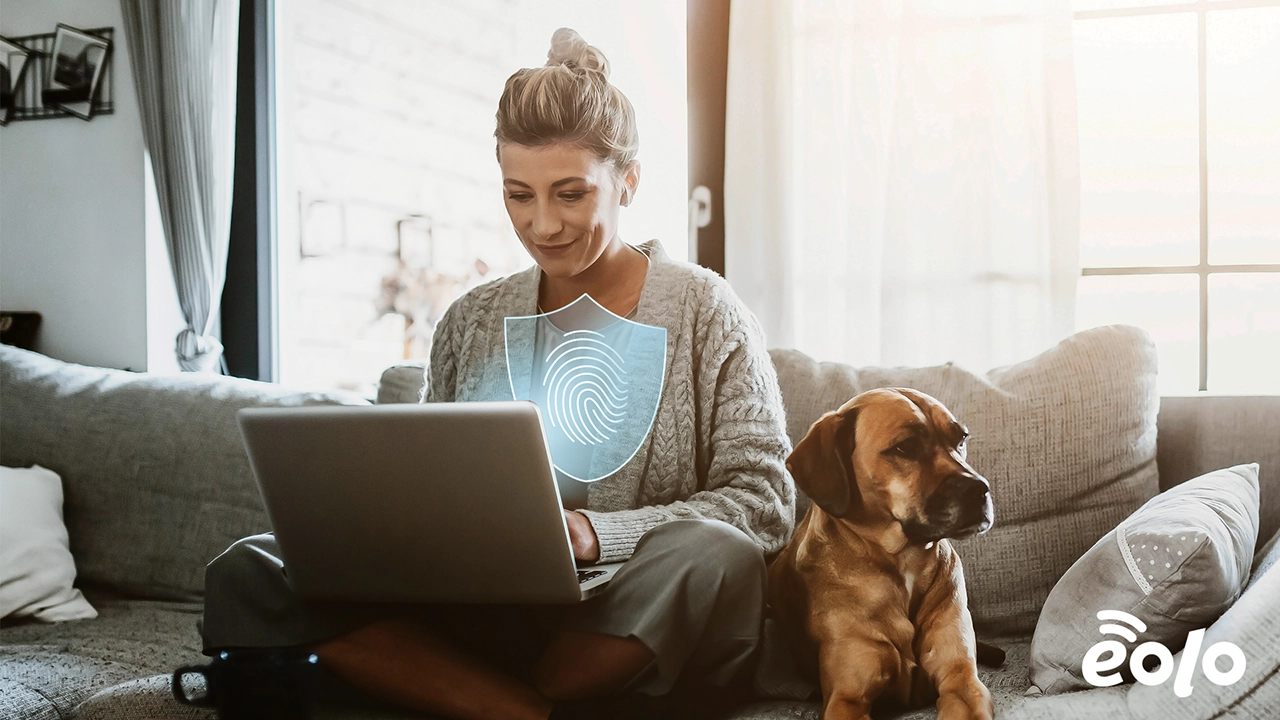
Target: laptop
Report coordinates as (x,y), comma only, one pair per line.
(437,502)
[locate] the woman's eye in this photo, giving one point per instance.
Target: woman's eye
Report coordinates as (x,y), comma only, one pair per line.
(571,197)
(518,197)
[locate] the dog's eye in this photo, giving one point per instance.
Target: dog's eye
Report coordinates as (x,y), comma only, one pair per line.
(908,448)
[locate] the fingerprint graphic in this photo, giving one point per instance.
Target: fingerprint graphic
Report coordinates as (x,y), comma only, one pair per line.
(586,386)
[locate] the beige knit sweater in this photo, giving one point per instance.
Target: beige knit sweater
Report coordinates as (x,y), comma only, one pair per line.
(718,444)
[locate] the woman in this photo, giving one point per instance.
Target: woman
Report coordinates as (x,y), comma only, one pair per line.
(693,511)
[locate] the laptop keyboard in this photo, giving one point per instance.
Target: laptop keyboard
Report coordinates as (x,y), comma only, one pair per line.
(585,575)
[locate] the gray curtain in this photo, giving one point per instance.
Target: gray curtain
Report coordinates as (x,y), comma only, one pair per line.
(183,54)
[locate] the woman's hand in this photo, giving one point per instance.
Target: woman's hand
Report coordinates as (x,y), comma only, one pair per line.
(586,546)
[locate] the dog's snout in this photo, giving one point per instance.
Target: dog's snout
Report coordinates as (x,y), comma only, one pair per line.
(965,488)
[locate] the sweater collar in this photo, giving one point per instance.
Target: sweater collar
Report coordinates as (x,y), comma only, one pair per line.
(521,298)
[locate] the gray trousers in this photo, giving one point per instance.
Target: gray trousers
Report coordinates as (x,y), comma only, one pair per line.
(693,592)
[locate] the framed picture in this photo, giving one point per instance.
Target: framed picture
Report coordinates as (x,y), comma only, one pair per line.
(74,70)
(13,61)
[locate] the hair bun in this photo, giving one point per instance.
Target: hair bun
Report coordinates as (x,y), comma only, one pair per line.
(569,49)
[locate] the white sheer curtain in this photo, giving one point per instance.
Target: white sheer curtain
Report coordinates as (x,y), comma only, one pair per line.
(901,177)
(184,65)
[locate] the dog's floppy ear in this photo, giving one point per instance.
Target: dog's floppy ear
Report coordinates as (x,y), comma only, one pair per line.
(822,463)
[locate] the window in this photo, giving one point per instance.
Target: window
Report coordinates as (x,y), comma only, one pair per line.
(390,200)
(1179,111)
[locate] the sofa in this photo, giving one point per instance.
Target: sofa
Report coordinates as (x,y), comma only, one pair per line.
(156,484)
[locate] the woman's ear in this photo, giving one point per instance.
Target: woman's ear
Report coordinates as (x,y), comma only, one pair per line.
(822,463)
(630,183)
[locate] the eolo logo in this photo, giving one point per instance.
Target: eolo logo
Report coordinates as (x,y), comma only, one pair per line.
(1094,663)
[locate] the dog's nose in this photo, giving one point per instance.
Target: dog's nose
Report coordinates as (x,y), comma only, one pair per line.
(965,488)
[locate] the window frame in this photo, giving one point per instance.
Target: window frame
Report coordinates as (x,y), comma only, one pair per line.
(707,86)
(249,317)
(1203,269)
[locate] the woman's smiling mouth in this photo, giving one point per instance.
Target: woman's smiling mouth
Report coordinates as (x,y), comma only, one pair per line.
(554,249)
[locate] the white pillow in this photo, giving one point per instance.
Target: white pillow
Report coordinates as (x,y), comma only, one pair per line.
(36,567)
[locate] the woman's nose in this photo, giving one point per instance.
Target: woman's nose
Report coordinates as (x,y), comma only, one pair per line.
(546,221)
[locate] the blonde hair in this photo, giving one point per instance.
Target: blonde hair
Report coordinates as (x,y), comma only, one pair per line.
(569,100)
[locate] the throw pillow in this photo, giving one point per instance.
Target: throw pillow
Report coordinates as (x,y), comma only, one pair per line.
(1067,440)
(36,567)
(1175,565)
(156,478)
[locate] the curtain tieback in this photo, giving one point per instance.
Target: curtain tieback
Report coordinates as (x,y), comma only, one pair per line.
(198,353)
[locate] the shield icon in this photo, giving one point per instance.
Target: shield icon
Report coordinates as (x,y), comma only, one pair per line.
(595,376)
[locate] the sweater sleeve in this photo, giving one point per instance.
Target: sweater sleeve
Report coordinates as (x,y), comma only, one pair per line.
(741,438)
(446,344)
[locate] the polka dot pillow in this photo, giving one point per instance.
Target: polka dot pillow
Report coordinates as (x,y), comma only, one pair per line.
(1175,565)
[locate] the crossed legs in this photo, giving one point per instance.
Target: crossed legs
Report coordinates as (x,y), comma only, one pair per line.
(404,663)
(687,605)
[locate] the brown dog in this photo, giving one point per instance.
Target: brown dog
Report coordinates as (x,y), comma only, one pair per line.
(869,593)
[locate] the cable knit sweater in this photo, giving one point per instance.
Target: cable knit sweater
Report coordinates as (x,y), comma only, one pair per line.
(718,445)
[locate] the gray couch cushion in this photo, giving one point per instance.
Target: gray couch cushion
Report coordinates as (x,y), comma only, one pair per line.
(146,697)
(1202,433)
(155,477)
(19,701)
(1067,439)
(66,663)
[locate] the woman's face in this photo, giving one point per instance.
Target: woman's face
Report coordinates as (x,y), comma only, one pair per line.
(564,203)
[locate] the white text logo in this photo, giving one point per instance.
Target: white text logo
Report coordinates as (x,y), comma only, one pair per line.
(1095,664)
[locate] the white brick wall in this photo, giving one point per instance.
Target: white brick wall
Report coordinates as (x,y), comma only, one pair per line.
(393,114)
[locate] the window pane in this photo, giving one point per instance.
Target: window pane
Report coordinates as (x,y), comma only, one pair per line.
(1139,140)
(1244,135)
(1166,306)
(1244,333)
